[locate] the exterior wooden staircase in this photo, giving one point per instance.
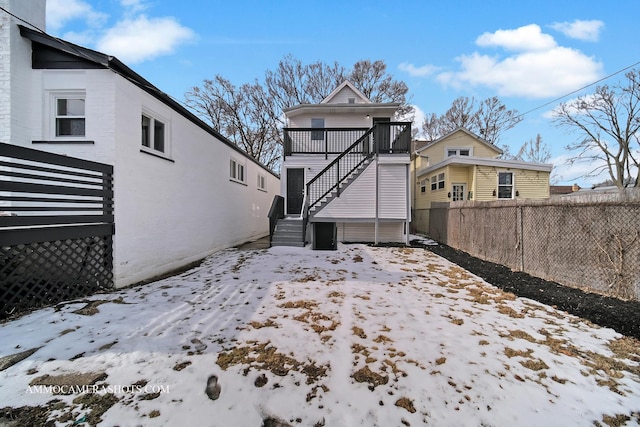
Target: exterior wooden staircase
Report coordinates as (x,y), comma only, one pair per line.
(382,138)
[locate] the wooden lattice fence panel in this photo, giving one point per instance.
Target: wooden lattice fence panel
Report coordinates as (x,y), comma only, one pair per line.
(56,228)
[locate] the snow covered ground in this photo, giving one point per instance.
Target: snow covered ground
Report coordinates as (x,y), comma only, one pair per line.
(361,336)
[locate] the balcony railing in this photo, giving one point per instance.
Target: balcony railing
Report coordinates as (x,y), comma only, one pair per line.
(390,137)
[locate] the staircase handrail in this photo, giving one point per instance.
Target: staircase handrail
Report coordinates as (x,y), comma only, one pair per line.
(335,161)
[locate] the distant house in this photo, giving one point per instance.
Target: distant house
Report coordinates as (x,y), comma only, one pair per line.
(181,189)
(345,174)
(560,190)
(462,166)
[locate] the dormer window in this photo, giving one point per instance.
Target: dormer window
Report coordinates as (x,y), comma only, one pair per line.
(351,100)
(458,152)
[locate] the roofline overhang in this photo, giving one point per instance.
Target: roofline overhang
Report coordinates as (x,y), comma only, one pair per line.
(482,161)
(468,132)
(383,108)
(114,64)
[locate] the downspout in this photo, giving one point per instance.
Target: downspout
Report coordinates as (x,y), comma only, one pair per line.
(377,200)
(408,222)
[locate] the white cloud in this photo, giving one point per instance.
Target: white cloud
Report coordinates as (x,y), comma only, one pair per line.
(527,38)
(423,71)
(61,12)
(140,39)
(581,30)
(539,69)
(134,6)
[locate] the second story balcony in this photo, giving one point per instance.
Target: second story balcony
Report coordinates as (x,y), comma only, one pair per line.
(382,138)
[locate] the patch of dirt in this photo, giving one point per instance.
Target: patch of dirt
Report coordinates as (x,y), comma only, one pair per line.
(622,316)
(263,356)
(406,403)
(359,332)
(10,360)
(365,375)
(67,383)
(180,366)
(91,307)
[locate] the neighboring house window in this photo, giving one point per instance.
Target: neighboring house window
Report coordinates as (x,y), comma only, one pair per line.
(437,182)
(69,115)
(317,134)
(423,186)
(505,185)
(458,152)
(153,133)
(236,171)
(262,183)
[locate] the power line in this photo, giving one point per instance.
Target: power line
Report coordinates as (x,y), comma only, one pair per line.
(578,90)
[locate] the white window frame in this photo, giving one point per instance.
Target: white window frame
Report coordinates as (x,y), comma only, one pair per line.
(463,193)
(151,149)
(54,96)
(423,186)
(457,151)
(512,185)
(262,182)
(438,182)
(237,170)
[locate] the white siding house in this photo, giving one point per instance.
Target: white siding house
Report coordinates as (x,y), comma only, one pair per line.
(181,189)
(346,170)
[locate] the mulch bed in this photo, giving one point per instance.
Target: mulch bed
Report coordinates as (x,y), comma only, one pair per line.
(622,316)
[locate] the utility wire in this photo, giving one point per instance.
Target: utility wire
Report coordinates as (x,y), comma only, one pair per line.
(577,90)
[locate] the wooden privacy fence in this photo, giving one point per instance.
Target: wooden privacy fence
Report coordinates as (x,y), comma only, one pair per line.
(56,228)
(590,242)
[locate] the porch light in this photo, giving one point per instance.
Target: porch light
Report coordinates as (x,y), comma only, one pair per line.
(449,195)
(494,193)
(368,116)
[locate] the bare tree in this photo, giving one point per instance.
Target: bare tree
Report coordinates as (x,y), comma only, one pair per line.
(534,151)
(608,125)
(251,115)
(488,119)
(372,80)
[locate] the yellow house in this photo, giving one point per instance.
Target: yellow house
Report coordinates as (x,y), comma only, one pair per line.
(462,166)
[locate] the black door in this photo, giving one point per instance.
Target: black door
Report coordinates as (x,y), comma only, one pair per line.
(295,191)
(381,135)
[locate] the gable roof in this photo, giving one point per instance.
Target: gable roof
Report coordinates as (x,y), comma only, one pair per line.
(325,107)
(66,55)
(468,132)
(341,87)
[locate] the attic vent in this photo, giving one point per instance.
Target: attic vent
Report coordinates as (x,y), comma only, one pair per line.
(352,100)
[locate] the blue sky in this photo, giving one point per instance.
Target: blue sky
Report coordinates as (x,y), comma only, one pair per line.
(528,53)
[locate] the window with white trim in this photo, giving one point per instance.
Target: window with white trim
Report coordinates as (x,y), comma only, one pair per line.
(505,185)
(154,133)
(437,182)
(236,171)
(423,186)
(69,118)
(458,152)
(262,182)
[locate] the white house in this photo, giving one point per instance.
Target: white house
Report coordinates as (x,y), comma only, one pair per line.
(181,189)
(345,175)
